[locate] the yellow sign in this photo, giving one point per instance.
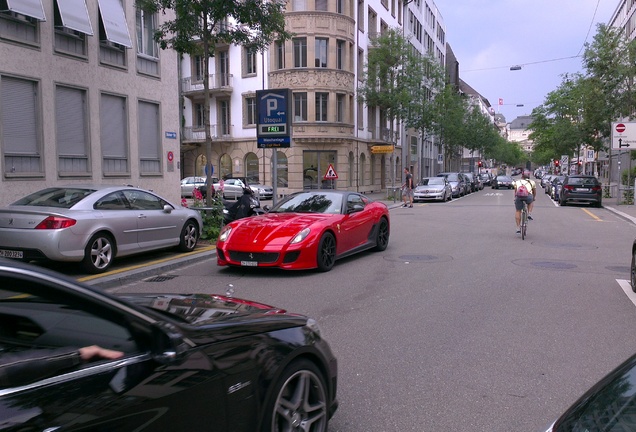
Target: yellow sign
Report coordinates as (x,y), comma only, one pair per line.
(382,149)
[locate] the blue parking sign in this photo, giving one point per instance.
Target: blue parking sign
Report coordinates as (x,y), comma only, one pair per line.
(273,112)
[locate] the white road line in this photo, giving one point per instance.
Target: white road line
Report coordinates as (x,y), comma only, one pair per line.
(627,287)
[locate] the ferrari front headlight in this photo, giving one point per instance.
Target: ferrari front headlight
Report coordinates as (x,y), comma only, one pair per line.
(225,233)
(301,236)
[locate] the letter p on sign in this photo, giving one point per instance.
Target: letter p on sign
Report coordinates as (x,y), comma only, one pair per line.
(272,105)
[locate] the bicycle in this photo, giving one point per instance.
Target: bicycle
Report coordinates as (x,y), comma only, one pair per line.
(524,220)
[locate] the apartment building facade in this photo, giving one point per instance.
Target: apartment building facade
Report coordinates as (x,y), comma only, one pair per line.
(86,96)
(323,66)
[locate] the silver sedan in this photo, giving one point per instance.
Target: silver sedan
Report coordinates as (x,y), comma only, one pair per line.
(94,224)
(433,188)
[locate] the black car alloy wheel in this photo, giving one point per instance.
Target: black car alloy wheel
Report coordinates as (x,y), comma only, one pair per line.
(301,400)
(382,239)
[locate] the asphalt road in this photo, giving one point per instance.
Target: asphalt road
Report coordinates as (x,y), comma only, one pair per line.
(459,325)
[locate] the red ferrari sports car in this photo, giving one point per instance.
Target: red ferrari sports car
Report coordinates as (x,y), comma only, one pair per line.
(306,230)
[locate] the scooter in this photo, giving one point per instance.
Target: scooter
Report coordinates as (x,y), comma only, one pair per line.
(247,205)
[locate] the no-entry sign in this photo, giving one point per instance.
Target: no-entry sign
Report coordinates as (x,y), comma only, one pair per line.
(624,135)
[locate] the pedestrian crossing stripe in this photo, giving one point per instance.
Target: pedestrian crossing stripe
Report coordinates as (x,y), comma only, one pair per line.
(331,173)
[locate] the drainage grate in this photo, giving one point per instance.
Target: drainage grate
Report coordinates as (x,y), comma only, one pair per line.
(160,278)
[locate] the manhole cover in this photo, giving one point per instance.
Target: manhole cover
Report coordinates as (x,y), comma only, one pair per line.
(619,269)
(554,265)
(419,258)
(160,278)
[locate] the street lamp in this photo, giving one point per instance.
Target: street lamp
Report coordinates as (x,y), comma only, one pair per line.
(515,67)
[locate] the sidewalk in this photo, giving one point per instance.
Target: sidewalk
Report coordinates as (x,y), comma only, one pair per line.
(626,211)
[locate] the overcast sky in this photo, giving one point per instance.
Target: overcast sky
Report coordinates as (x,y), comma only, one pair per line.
(489,36)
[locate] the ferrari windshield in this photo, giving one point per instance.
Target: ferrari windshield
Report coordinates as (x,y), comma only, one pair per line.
(310,202)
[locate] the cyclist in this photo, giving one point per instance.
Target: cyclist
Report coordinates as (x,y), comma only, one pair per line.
(525,190)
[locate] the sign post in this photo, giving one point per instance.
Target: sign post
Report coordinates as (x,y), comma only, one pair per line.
(273,111)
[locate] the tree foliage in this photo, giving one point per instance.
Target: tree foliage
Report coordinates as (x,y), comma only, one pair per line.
(200,25)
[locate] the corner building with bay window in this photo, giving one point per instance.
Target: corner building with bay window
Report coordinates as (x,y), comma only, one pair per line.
(323,65)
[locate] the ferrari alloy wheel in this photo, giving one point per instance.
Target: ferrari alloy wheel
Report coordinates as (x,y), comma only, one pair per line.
(633,270)
(189,236)
(300,402)
(382,239)
(326,252)
(99,253)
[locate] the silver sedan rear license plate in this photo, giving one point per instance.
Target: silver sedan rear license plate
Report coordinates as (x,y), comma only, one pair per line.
(11,254)
(249,263)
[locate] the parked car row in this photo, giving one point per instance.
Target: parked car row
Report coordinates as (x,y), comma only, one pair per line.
(462,183)
(232,187)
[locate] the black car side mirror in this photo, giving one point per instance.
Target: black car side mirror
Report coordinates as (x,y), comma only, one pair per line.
(168,344)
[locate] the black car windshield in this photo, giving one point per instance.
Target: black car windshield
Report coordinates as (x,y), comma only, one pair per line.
(310,202)
(55,197)
(432,181)
(583,181)
(452,177)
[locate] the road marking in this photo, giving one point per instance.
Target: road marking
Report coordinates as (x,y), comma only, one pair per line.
(592,215)
(627,287)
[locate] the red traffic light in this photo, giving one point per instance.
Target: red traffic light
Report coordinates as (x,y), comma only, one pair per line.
(557,162)
(479,164)
(580,163)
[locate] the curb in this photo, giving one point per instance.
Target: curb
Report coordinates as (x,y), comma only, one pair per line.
(625,216)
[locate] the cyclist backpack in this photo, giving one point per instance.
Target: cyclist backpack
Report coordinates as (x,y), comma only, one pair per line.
(522,190)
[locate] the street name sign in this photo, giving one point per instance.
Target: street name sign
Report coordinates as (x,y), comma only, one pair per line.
(623,135)
(273,110)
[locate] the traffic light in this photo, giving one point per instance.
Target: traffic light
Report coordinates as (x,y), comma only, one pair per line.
(557,163)
(479,164)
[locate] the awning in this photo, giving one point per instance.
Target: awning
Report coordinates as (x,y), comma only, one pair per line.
(30,8)
(114,21)
(75,15)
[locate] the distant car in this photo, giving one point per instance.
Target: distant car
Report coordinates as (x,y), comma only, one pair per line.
(585,189)
(306,230)
(210,361)
(471,180)
(555,187)
(485,179)
(94,224)
(457,182)
(188,184)
(515,171)
(607,406)
(433,188)
(501,182)
(264,192)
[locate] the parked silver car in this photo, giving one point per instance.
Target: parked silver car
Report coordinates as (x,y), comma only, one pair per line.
(233,188)
(189,183)
(433,188)
(93,224)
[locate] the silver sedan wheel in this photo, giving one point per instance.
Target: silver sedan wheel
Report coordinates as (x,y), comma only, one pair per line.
(98,255)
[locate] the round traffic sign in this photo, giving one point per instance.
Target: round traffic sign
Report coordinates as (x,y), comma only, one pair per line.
(620,128)
(170,156)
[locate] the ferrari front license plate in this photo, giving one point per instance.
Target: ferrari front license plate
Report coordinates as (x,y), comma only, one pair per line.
(11,254)
(249,263)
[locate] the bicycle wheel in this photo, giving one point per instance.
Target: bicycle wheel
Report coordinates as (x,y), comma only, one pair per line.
(524,221)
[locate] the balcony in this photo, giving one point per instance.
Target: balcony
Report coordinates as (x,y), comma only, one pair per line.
(218,84)
(197,134)
(384,134)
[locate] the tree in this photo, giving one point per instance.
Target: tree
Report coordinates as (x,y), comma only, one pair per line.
(199,25)
(451,110)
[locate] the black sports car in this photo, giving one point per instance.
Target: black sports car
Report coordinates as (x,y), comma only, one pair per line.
(190,362)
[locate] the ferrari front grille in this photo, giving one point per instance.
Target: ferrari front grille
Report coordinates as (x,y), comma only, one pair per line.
(260,257)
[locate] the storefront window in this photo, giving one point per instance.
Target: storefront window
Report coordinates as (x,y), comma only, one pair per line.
(315,165)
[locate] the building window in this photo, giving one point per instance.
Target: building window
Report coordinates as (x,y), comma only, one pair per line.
(280,55)
(225,165)
(340,108)
(360,65)
(249,60)
(339,6)
(149,138)
(198,120)
(282,170)
(361,15)
(250,110)
(321,5)
(223,65)
(20,126)
(362,169)
(360,116)
(71,131)
(322,101)
(224,118)
(146,26)
(198,65)
(251,168)
(114,135)
(315,164)
(340,54)
(300,52)
(19,27)
(72,24)
(299,5)
(300,107)
(113,33)
(321,52)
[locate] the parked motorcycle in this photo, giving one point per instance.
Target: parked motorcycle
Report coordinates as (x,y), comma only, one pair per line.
(247,205)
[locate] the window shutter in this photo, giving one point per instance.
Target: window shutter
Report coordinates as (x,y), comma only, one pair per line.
(19,121)
(148,130)
(70,121)
(113,126)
